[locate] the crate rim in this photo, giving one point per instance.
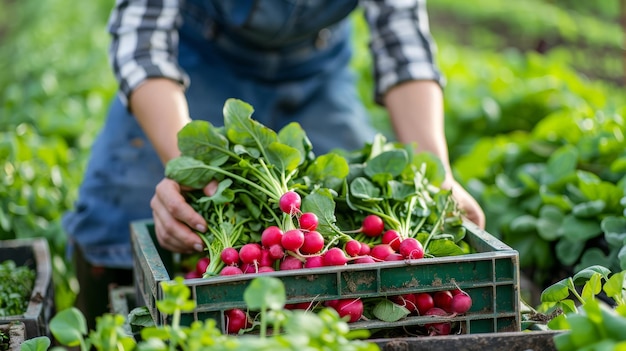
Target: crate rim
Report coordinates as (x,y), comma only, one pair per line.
(500,250)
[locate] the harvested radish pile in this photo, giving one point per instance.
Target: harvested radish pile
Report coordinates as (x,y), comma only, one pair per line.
(279,206)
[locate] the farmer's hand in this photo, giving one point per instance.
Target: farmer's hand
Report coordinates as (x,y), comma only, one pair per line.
(174,218)
(467,203)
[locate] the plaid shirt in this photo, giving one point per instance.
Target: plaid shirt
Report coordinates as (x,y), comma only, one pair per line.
(144,40)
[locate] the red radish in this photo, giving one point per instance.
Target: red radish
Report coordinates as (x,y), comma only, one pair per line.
(265,269)
(381,251)
(299,306)
(266,259)
(231,270)
(335,257)
(424,302)
(290,202)
(394,257)
(236,320)
(364,259)
(440,328)
(365,249)
(250,253)
(392,237)
(271,236)
(456,291)
(331,303)
(202,265)
(230,256)
(410,248)
(248,268)
(461,303)
(372,225)
(292,240)
(350,307)
(353,248)
(308,221)
(289,263)
(313,243)
(443,299)
(314,262)
(276,252)
(192,275)
(408,301)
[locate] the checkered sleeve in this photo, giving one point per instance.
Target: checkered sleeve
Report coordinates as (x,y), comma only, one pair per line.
(401,43)
(144,42)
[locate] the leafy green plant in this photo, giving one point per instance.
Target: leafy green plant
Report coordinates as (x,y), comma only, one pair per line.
(52,102)
(16,288)
(391,181)
(290,330)
(592,306)
(555,193)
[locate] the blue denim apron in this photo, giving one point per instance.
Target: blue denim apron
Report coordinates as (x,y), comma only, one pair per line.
(287,58)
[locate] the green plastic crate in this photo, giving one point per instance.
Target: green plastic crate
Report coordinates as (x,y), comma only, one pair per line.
(490,276)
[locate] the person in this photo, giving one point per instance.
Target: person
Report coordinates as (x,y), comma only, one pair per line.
(179,60)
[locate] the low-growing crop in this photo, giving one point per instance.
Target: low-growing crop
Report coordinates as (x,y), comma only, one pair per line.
(15,290)
(278,328)
(590,308)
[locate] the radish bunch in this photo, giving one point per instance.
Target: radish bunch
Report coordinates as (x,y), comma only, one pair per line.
(443,303)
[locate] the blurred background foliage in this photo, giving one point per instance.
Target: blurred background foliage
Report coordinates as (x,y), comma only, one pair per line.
(534,107)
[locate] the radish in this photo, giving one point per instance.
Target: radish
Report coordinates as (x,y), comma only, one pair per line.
(292,240)
(276,252)
(298,306)
(313,243)
(443,299)
(290,202)
(250,253)
(440,328)
(461,303)
(372,225)
(392,237)
(331,303)
(271,236)
(202,264)
(290,263)
(408,301)
(350,307)
(424,302)
(335,257)
(364,259)
(314,261)
(394,257)
(236,320)
(248,268)
(192,275)
(266,258)
(353,248)
(365,249)
(230,256)
(308,221)
(265,269)
(410,248)
(381,251)
(231,270)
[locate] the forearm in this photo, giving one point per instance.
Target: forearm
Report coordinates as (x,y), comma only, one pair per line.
(161,110)
(416,112)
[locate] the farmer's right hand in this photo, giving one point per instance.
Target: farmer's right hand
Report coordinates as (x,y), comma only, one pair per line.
(174,218)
